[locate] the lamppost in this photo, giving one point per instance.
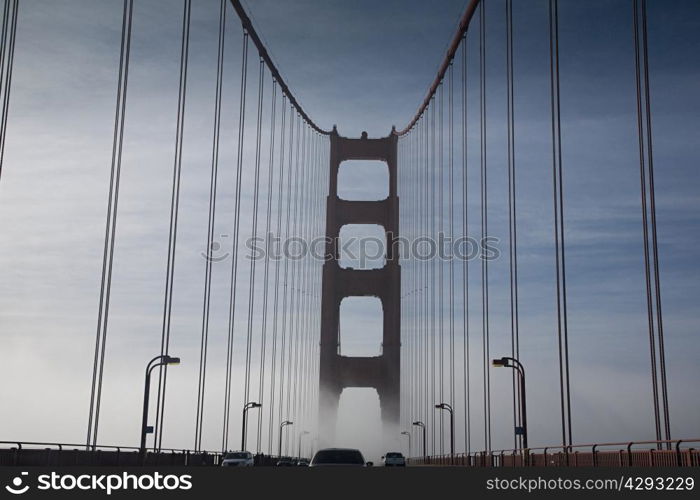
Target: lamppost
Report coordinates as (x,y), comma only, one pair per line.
(246,407)
(157,361)
(445,406)
(422,425)
(302,434)
(517,365)
(406,433)
(282,426)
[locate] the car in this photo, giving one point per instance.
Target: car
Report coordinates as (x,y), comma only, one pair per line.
(285,462)
(334,457)
(238,459)
(394,459)
(302,463)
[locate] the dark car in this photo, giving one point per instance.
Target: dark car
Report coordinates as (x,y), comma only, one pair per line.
(284,463)
(332,457)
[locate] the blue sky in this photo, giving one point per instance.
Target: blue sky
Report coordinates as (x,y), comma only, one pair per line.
(363,65)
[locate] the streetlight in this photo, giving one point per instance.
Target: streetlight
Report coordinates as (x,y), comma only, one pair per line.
(303,433)
(157,361)
(517,365)
(246,407)
(282,426)
(445,406)
(421,424)
(406,433)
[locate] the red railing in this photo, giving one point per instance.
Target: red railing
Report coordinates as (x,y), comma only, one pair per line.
(674,453)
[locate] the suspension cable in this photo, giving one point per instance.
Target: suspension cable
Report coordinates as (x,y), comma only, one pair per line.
(254,236)
(6,65)
(293,285)
(654,236)
(512,221)
(452,232)
(299,284)
(286,286)
(172,235)
(212,217)
(433,211)
(110,226)
(440,245)
(234,260)
(266,270)
(484,233)
(278,232)
(562,329)
(465,265)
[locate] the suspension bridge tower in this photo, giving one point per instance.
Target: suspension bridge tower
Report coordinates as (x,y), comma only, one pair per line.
(379,372)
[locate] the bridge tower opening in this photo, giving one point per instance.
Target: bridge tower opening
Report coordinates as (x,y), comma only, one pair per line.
(336,371)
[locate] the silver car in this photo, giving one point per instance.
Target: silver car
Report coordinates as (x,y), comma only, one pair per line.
(394,459)
(238,459)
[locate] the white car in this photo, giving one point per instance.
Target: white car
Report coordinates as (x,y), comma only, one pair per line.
(238,459)
(394,459)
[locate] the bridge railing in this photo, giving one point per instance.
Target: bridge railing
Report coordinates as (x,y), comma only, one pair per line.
(673,453)
(32,453)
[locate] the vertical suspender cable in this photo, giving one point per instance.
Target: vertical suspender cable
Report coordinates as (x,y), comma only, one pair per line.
(234,260)
(266,270)
(654,238)
(512,211)
(278,232)
(110,226)
(304,370)
(415,326)
(651,258)
(212,214)
(306,281)
(7,56)
(433,325)
(292,312)
(452,238)
(484,234)
(466,373)
(292,178)
(298,308)
(297,275)
(562,328)
(174,212)
(313,228)
(254,235)
(440,246)
(291,175)
(427,409)
(645,228)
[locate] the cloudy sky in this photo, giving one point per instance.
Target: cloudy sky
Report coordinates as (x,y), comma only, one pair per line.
(365,66)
